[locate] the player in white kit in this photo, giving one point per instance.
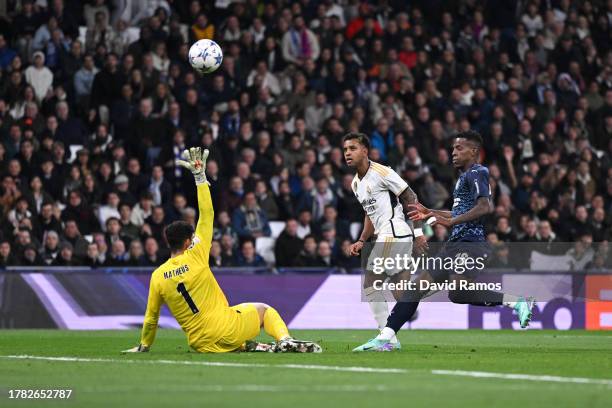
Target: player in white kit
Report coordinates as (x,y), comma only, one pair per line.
(385,197)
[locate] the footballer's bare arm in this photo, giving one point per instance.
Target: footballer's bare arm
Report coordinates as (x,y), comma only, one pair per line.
(408,198)
(368,230)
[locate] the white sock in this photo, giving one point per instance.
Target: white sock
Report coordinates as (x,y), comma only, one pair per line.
(378,306)
(510,300)
(387,333)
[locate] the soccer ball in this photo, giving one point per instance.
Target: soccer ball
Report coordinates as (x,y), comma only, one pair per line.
(205,56)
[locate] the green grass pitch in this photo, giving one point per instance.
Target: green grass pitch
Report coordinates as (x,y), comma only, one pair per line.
(170,376)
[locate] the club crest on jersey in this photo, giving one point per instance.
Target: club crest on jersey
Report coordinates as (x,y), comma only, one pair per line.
(368,189)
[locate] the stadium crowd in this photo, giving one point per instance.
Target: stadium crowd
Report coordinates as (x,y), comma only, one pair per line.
(97,100)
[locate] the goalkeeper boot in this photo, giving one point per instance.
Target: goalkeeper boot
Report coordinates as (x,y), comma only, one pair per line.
(291,345)
(524,310)
(378,345)
(256,347)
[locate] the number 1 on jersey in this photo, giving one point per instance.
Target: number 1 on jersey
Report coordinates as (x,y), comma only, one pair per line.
(183,291)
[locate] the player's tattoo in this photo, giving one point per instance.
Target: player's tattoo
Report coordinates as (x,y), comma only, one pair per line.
(408,197)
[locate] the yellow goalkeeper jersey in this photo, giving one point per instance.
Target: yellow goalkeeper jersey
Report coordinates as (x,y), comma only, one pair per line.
(186,284)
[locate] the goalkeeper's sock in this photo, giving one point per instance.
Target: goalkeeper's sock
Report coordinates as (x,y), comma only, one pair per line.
(274,325)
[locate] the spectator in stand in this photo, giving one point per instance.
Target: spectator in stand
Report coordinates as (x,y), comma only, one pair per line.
(288,245)
(224,227)
(39,77)
(154,224)
(265,200)
(135,253)
(228,245)
(31,257)
(299,43)
(110,209)
(114,232)
(73,237)
(84,79)
(118,255)
(7,54)
(324,255)
(65,256)
(202,28)
(151,253)
(142,210)
(7,258)
(330,217)
(81,212)
(51,248)
(93,256)
(216,255)
(308,254)
(248,257)
(160,189)
(249,220)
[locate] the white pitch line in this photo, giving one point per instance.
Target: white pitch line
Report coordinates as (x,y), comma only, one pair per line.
(215,364)
(461,373)
(530,377)
(257,388)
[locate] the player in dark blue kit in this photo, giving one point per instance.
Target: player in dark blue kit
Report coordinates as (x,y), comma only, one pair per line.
(467,240)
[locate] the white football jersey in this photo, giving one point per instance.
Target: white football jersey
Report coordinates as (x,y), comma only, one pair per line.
(377,192)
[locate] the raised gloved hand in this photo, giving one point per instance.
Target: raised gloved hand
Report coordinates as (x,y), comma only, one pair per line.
(194,160)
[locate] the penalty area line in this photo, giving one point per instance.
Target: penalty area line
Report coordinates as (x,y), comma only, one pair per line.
(526,377)
(212,364)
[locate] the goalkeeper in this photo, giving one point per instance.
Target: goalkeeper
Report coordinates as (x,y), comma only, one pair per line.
(186,284)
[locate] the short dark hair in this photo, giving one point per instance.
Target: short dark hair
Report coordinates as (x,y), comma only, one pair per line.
(176,233)
(362,138)
(471,135)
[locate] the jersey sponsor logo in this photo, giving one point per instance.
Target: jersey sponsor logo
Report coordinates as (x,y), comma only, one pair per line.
(176,272)
(369,205)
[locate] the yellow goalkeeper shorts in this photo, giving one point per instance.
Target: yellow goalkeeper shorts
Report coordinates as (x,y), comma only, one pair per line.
(246,327)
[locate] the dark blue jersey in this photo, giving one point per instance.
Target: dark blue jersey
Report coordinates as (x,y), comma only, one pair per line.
(471,185)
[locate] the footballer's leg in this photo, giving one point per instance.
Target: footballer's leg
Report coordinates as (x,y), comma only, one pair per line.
(523,307)
(374,252)
(399,272)
(274,325)
(402,312)
(375,298)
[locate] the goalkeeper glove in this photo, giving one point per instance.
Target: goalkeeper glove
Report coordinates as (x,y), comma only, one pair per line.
(194,160)
(138,349)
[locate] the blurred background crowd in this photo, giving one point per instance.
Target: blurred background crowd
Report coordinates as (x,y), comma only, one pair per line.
(97,100)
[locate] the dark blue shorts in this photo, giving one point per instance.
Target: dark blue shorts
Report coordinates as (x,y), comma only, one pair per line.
(461,258)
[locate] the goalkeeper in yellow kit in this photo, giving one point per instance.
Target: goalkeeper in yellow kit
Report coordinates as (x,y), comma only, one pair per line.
(186,284)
